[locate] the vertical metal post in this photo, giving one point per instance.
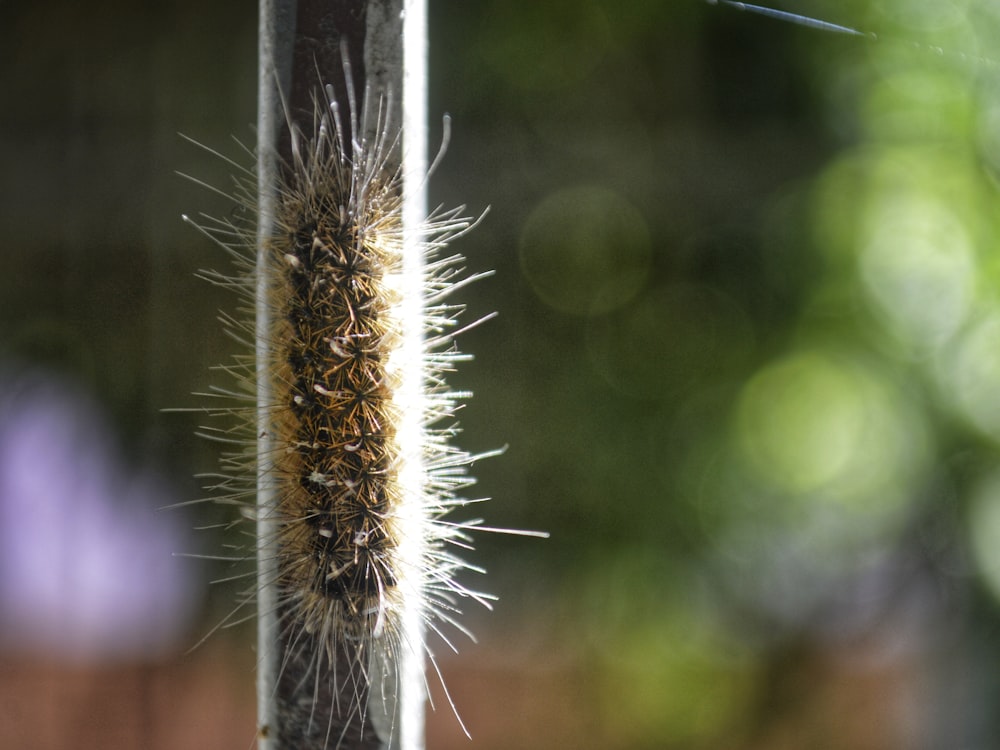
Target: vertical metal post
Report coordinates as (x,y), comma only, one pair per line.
(300,39)
(276,26)
(414,101)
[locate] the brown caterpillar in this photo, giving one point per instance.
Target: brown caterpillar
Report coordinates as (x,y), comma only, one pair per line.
(362,468)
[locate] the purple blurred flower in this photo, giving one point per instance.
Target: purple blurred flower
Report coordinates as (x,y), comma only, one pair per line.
(86,561)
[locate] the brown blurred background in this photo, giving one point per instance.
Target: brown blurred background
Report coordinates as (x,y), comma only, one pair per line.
(746,366)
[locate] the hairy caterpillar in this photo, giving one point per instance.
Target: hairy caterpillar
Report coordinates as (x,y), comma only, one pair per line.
(359,528)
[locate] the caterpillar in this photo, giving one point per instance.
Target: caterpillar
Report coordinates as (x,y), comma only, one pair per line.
(359,527)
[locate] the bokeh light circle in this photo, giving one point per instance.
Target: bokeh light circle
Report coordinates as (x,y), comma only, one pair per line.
(969,371)
(919,267)
(984,530)
(585,250)
(819,422)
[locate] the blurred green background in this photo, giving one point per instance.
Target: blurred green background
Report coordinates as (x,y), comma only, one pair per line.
(745,363)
